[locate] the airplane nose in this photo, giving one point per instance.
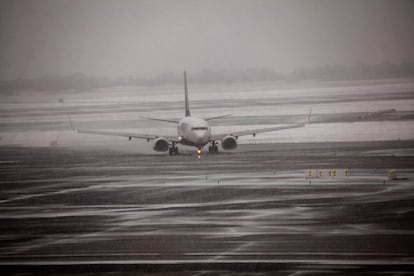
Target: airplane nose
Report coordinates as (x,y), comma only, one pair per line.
(201,137)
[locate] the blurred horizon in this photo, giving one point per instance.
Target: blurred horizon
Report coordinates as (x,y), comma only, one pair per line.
(147,39)
(81,82)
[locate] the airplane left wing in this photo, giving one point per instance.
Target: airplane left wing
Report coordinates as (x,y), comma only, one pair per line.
(128,135)
(254,131)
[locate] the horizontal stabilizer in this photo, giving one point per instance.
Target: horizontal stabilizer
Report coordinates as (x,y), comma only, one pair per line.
(218,117)
(161,120)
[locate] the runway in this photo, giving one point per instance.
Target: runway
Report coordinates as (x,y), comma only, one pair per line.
(66,210)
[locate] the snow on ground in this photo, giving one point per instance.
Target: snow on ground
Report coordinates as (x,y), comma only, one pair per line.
(39,119)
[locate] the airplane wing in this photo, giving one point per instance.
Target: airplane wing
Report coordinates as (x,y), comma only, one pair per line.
(129,135)
(254,131)
(147,137)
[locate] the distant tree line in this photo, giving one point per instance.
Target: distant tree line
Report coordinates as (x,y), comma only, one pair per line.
(81,82)
(359,71)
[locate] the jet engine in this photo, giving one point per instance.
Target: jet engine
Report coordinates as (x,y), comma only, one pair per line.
(229,142)
(160,144)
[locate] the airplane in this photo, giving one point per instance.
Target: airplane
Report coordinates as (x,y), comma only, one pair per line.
(191,131)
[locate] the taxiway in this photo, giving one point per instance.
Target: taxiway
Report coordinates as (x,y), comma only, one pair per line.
(79,211)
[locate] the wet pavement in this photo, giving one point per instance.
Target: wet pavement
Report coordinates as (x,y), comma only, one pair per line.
(85,211)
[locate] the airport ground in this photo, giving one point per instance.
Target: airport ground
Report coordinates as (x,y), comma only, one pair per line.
(246,212)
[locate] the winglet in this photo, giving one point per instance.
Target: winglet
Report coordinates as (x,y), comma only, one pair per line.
(67,114)
(71,125)
(310,114)
(187,104)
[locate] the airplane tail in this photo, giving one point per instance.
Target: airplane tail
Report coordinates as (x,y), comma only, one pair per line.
(187,104)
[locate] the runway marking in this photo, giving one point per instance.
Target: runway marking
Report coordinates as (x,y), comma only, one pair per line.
(23,197)
(8,161)
(245,223)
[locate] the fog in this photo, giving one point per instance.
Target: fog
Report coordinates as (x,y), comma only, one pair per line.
(340,113)
(108,63)
(321,194)
(146,38)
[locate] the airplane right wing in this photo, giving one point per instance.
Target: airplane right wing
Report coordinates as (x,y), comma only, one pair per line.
(365,115)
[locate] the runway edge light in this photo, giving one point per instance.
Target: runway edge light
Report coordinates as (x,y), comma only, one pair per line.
(327,173)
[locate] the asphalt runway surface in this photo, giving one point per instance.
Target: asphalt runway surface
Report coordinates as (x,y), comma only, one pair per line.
(247,212)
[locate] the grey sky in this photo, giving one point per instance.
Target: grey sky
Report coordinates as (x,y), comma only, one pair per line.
(144,38)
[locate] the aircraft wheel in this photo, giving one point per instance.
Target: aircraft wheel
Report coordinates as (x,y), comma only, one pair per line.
(213,149)
(173,151)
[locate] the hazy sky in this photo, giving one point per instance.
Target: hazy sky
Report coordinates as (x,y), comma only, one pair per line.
(144,38)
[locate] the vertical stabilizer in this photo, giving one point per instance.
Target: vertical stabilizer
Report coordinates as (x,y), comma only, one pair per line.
(187,104)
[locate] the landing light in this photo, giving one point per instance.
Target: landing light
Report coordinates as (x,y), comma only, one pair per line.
(199,151)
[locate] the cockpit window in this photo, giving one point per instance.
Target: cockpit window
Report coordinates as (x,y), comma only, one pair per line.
(199,128)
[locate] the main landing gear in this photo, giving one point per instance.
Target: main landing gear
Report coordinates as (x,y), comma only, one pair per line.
(213,147)
(173,150)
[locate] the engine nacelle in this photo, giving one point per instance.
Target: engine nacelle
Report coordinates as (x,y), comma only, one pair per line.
(229,142)
(160,144)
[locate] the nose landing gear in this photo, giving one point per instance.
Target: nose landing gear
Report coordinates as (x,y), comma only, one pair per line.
(199,152)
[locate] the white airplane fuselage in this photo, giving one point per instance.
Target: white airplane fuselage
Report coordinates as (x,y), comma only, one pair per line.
(193,131)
